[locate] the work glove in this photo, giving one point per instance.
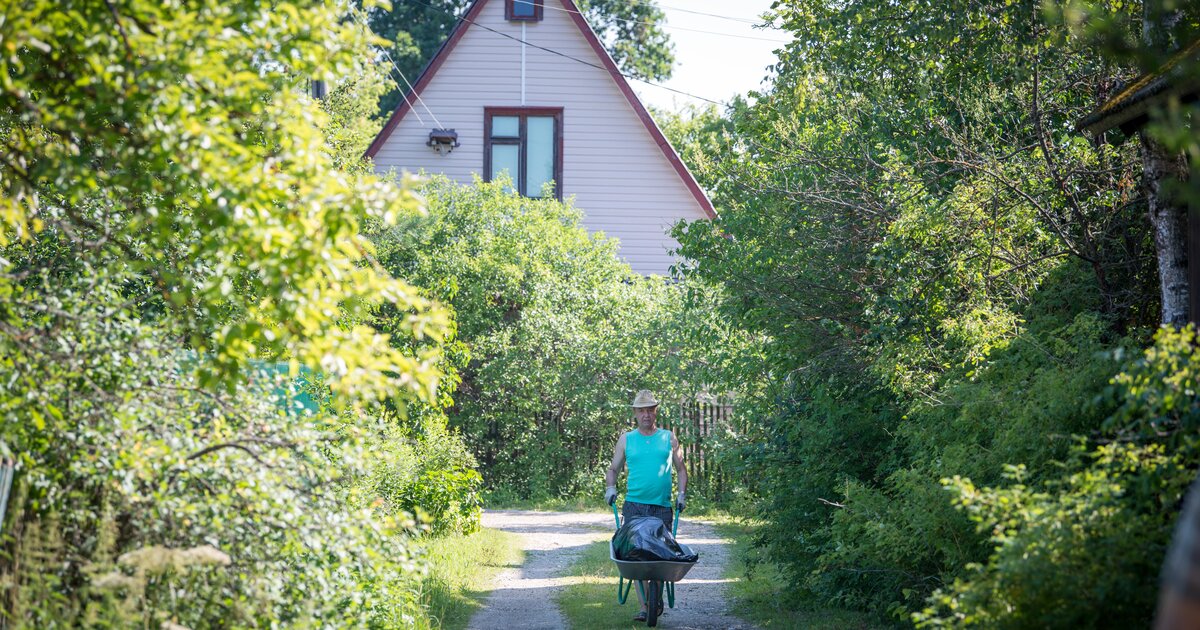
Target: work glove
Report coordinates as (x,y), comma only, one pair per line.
(680,503)
(610,495)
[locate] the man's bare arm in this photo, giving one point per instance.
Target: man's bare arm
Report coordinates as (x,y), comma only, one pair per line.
(618,462)
(677,460)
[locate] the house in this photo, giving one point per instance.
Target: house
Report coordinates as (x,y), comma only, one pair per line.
(526,87)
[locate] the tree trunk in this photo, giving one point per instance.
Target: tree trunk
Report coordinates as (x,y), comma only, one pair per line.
(1163,174)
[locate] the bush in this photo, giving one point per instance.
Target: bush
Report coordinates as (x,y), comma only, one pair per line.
(555,333)
(1078,551)
(178,220)
(180,504)
(431,474)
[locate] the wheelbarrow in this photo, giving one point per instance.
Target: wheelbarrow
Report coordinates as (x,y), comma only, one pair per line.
(657,575)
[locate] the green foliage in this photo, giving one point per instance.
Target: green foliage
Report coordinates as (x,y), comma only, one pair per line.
(760,590)
(139,474)
(945,278)
(634,35)
(215,187)
(350,126)
(555,332)
(179,241)
(431,474)
(1075,550)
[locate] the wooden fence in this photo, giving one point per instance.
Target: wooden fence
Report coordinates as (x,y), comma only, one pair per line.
(698,425)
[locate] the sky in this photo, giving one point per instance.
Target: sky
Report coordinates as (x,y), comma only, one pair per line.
(713,66)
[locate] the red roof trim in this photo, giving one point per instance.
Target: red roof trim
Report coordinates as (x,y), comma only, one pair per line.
(636,103)
(605,58)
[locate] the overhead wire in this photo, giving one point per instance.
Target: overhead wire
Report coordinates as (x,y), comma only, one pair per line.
(411,90)
(750,21)
(573,58)
(678,28)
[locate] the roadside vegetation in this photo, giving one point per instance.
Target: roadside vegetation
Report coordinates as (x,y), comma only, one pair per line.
(759,588)
(461,570)
(963,411)
(217,406)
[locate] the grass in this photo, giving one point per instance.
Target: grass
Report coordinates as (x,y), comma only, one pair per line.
(758,597)
(461,572)
(590,603)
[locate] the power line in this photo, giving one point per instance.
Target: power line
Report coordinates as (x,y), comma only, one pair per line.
(411,89)
(679,28)
(572,58)
(750,21)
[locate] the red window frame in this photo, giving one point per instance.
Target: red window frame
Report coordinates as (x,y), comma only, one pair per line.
(523,113)
(511,15)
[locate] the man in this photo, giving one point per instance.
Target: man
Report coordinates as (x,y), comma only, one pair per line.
(649,452)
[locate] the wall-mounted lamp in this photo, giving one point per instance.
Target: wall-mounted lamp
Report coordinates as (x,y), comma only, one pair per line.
(444,140)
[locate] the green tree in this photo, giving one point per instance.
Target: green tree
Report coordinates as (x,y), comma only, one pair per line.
(181,268)
(946,276)
(168,178)
(555,333)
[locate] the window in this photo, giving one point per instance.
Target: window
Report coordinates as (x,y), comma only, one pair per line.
(523,10)
(527,143)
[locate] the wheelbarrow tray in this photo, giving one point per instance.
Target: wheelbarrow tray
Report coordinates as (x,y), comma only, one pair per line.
(664,570)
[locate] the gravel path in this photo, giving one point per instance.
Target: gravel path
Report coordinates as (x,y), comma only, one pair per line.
(524,597)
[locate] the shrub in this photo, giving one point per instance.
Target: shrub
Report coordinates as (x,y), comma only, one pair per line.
(556,332)
(178,220)
(1077,551)
(180,504)
(429,473)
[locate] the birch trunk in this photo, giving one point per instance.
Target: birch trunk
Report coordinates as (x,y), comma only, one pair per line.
(1163,174)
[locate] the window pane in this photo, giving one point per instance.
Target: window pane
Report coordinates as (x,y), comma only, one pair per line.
(539,156)
(506,158)
(506,126)
(523,8)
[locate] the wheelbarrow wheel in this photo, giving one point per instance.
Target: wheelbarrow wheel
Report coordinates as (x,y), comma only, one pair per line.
(653,602)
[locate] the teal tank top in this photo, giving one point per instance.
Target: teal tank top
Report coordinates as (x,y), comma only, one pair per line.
(649,462)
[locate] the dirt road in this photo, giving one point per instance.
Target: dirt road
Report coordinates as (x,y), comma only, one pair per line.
(524,598)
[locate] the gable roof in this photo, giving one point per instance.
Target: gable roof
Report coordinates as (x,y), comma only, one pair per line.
(468,20)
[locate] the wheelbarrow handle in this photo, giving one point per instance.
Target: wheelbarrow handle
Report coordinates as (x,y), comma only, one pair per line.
(615,517)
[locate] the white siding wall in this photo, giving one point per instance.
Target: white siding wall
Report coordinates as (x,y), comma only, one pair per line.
(618,176)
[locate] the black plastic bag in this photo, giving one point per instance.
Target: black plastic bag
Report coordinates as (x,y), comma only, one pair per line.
(645,538)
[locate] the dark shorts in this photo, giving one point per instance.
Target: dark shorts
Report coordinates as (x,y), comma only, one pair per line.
(631,510)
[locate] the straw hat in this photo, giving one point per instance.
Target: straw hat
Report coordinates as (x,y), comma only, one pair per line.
(644,399)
